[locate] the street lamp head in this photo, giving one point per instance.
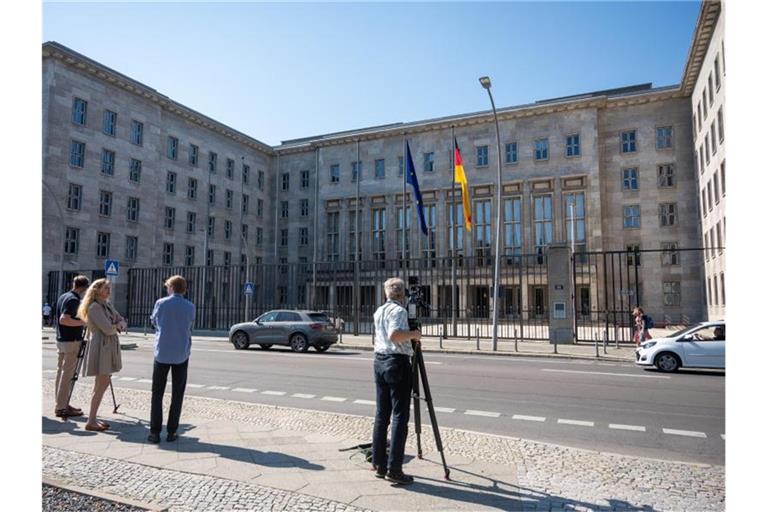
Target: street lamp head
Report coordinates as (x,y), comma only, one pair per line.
(485,82)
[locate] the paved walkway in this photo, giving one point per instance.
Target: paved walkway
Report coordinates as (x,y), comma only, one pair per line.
(236,455)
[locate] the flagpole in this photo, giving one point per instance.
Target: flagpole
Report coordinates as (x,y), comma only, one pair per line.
(357,240)
(404,263)
(454,295)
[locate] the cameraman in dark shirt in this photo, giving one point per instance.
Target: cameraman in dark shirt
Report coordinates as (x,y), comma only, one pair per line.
(69,338)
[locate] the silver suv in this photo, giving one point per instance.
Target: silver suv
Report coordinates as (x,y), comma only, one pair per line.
(298,329)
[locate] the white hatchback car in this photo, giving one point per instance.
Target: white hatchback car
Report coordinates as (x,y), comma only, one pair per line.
(700,346)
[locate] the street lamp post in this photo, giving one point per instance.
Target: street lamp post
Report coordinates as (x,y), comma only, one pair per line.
(486,83)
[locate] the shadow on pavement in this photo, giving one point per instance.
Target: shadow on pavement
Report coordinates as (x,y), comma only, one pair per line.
(136,432)
(506,496)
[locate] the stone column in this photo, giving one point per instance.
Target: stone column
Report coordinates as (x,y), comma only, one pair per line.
(560,285)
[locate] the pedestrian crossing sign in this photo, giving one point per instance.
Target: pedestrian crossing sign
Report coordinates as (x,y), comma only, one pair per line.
(111,267)
(248,288)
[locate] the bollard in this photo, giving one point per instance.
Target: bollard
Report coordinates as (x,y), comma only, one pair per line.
(441,340)
(616,335)
(145,327)
(597,350)
(515,340)
(605,342)
(477,338)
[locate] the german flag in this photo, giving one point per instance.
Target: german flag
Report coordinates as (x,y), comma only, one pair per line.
(461,178)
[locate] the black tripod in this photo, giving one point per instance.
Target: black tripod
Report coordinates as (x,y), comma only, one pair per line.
(420,372)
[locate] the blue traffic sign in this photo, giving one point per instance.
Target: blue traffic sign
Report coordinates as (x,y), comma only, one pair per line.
(248,290)
(111,267)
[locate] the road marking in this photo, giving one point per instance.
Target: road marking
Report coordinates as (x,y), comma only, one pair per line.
(528,418)
(219,388)
(619,426)
(195,385)
(688,433)
(576,422)
(608,373)
(273,393)
(488,414)
(445,409)
(302,395)
(127,378)
(144,380)
(364,402)
(49,371)
(723,436)
(244,390)
(333,399)
(289,354)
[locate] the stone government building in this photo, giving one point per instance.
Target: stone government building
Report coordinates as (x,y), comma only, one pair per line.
(132,175)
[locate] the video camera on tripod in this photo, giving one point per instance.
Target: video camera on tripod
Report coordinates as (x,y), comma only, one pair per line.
(414,302)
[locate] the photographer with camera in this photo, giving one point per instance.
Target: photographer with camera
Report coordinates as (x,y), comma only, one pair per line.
(393,373)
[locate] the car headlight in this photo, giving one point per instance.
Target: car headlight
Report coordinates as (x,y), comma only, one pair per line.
(648,344)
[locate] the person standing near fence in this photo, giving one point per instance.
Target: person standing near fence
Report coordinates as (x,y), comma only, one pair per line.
(69,337)
(172,317)
(46,314)
(641,326)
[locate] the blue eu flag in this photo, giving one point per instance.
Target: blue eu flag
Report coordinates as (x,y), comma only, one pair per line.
(410,172)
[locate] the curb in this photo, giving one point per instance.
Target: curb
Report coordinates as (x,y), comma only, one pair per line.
(103,495)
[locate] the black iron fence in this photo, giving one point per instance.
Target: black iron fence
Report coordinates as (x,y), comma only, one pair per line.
(608,285)
(57,286)
(457,291)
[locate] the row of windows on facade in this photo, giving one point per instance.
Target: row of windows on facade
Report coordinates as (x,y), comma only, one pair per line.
(75,201)
(708,148)
(665,177)
(713,297)
(109,127)
(77,160)
(708,93)
(669,254)
(713,191)
(714,240)
(540,152)
(104,242)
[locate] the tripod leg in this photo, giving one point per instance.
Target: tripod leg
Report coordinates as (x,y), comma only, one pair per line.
(78,366)
(416,406)
(114,402)
(433,418)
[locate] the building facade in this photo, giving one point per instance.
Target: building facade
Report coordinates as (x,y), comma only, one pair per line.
(130,174)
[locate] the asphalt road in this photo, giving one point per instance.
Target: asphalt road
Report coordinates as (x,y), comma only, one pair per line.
(610,407)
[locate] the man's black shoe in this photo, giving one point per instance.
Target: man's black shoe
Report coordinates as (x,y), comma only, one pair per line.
(380,472)
(400,478)
(171,437)
(153,438)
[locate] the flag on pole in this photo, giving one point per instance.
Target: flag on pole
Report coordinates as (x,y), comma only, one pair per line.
(461,178)
(410,173)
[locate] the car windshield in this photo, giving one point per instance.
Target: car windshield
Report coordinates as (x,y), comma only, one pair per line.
(319,317)
(683,331)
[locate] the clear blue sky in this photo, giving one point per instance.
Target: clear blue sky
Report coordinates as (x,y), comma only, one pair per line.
(283,71)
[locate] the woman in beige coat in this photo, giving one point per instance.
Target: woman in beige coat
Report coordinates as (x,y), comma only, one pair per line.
(102,357)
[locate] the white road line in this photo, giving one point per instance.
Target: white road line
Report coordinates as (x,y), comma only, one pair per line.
(49,371)
(195,385)
(302,395)
(576,422)
(723,436)
(487,414)
(218,388)
(687,433)
(127,378)
(608,373)
(273,393)
(445,409)
(334,399)
(528,418)
(364,402)
(619,426)
(244,390)
(144,380)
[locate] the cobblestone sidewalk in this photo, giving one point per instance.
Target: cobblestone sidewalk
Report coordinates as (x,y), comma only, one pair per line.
(489,472)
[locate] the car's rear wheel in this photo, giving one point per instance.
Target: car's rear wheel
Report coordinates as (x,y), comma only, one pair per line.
(265,346)
(667,362)
(299,343)
(322,348)
(240,340)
